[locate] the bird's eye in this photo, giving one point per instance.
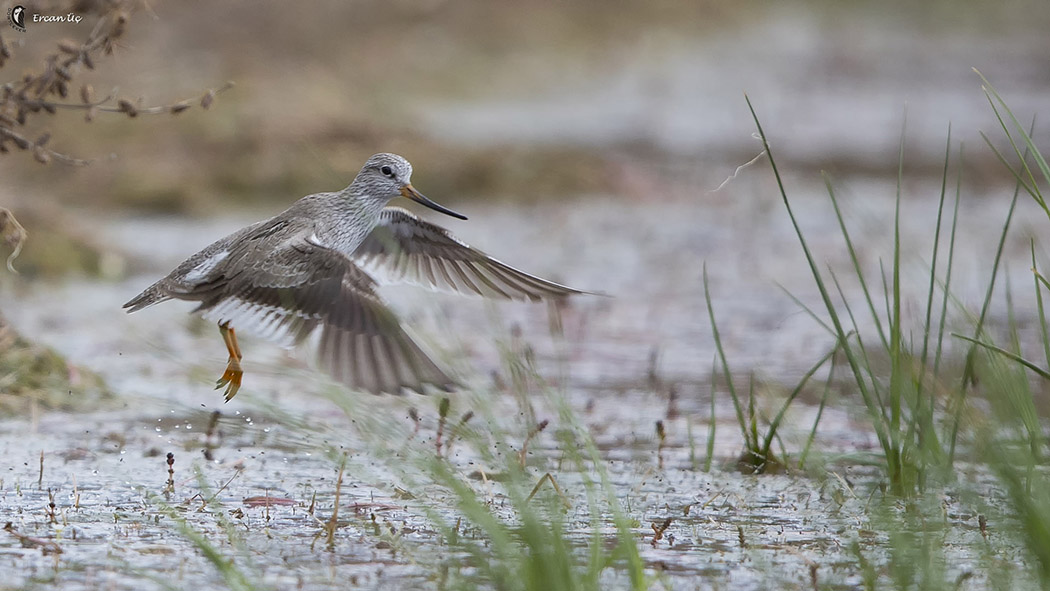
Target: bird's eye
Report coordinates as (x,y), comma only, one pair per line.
(387,171)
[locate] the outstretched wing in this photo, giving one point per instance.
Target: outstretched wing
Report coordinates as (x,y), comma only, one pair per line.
(299,286)
(405,248)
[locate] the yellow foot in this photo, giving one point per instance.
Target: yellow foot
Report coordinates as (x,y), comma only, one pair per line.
(231,378)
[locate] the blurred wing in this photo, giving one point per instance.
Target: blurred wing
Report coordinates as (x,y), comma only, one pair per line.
(300,286)
(404,248)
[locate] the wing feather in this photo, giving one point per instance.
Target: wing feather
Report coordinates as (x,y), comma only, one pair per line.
(404,248)
(297,287)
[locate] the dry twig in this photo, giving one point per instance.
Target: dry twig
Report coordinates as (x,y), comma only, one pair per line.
(46,546)
(47,90)
(528,439)
(13,234)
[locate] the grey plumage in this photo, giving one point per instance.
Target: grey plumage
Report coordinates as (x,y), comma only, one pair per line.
(403,247)
(304,270)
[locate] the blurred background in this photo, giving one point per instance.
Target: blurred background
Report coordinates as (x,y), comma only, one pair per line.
(588,141)
(604,144)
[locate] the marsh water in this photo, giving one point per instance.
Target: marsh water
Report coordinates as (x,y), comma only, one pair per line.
(258,479)
(107,467)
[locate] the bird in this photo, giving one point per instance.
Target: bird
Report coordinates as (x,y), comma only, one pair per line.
(316,267)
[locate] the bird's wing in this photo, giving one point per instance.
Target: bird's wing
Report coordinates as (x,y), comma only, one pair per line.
(299,286)
(404,248)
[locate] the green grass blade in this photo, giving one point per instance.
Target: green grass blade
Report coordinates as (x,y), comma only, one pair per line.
(692,443)
(749,443)
(820,413)
(1043,332)
(885,292)
(948,273)
(1040,161)
(1008,354)
(896,368)
(712,424)
(752,415)
(1030,189)
(928,324)
(876,388)
(1030,146)
(233,576)
(853,259)
(775,423)
(1011,313)
(968,370)
(809,311)
(824,294)
(1041,279)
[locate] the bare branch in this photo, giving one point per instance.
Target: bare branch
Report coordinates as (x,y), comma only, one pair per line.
(46,90)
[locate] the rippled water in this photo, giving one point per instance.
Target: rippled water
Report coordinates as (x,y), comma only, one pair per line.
(646,258)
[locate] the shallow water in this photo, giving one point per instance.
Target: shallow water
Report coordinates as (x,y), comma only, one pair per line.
(272,439)
(117,530)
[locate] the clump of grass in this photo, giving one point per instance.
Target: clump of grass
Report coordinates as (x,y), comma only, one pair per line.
(33,375)
(900,405)
(516,531)
(1011,441)
(918,434)
(505,521)
(757,457)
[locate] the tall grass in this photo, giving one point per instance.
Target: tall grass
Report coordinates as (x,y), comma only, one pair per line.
(920,409)
(529,543)
(1012,444)
(900,406)
(922,413)
(757,457)
(506,522)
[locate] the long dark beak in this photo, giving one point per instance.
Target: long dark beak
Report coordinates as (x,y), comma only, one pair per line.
(411,192)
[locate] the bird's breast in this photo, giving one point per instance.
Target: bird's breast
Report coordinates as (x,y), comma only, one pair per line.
(345,238)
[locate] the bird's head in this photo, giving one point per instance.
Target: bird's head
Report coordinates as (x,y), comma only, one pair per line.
(386,176)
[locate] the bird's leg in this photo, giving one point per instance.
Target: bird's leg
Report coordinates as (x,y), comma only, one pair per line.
(231,378)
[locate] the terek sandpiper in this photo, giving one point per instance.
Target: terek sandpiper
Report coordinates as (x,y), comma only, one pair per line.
(309,267)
